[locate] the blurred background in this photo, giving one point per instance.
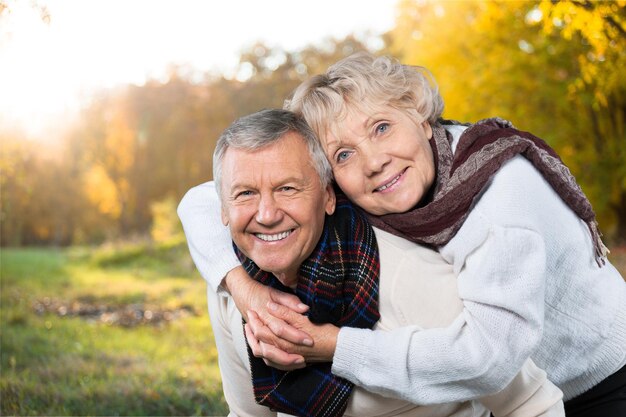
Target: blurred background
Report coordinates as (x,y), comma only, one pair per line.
(109,112)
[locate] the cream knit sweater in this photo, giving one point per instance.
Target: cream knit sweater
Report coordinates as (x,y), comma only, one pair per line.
(529,284)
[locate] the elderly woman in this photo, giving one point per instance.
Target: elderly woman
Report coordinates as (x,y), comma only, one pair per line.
(502,210)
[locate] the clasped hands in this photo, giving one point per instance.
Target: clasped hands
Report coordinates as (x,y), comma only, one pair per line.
(276,328)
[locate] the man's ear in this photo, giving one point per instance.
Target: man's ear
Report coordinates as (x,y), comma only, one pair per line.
(225,219)
(331,200)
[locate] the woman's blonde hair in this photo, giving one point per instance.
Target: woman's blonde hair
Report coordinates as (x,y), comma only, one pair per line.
(366,83)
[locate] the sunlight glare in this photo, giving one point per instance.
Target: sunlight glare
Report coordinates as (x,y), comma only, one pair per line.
(49,67)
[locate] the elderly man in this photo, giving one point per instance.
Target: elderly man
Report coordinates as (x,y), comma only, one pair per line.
(277,201)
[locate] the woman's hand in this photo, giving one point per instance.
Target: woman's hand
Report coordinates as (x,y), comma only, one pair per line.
(266,339)
(251,295)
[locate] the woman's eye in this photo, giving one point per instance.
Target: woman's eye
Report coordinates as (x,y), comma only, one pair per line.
(382,128)
(342,156)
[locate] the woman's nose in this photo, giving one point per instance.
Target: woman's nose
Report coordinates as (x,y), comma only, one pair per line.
(375,159)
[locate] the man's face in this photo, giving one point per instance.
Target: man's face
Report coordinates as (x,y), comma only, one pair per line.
(274,204)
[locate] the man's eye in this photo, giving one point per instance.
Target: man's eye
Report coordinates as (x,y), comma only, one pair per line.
(246,193)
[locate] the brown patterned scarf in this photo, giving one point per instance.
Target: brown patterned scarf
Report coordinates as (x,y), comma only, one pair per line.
(461,178)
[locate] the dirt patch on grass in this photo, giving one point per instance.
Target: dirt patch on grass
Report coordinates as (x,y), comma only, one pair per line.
(130,315)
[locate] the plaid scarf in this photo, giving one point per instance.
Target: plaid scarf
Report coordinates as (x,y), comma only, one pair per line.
(339,282)
(461,178)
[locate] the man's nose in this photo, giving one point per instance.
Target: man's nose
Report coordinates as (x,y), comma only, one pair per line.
(269,211)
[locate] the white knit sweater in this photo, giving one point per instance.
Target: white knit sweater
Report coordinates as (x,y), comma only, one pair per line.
(530,288)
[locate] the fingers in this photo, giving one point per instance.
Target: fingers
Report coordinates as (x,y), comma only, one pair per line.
(288,300)
(252,341)
(282,329)
(279,359)
(271,355)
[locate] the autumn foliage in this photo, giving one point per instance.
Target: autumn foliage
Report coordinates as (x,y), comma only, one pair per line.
(553,68)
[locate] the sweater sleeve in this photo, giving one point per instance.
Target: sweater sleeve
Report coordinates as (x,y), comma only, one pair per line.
(501,266)
(480,352)
(208,239)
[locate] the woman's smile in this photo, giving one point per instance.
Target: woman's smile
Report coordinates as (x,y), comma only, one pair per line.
(389,186)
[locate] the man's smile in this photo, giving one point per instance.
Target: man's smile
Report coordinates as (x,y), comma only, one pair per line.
(274,237)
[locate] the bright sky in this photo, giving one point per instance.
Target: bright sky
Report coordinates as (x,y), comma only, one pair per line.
(47,66)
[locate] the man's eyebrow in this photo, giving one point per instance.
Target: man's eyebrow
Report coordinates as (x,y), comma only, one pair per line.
(292,179)
(235,185)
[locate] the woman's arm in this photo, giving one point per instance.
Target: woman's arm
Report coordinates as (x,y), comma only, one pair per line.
(501,257)
(530,393)
(502,276)
(477,355)
(208,239)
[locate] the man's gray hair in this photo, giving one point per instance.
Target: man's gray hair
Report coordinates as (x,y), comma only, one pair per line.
(264,128)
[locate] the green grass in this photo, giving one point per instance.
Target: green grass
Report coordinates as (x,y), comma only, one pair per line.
(55,361)
(113,331)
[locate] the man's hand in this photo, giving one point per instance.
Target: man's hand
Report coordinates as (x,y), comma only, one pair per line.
(251,295)
(267,342)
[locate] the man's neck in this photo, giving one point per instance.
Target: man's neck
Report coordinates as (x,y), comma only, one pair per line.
(287,279)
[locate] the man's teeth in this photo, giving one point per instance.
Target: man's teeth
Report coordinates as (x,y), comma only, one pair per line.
(393,181)
(272,238)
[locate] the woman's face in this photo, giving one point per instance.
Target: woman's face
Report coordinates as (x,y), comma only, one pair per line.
(383,161)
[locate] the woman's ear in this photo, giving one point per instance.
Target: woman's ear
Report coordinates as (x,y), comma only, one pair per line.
(428,129)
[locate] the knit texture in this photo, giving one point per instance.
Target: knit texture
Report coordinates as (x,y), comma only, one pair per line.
(339,282)
(530,287)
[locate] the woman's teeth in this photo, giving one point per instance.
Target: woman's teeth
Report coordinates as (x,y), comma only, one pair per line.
(392,182)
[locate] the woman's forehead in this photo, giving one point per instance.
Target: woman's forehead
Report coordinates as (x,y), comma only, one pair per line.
(352,125)
(358,115)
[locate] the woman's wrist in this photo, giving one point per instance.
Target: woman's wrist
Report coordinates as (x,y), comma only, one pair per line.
(241,288)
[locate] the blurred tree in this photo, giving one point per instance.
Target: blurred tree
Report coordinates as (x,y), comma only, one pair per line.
(40,201)
(271,74)
(16,160)
(136,149)
(503,59)
(599,92)
(165,225)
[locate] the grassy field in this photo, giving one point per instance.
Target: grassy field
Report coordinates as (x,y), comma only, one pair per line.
(115,331)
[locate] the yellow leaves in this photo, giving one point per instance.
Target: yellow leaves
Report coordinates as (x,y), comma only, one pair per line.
(553,68)
(165,224)
(102,192)
(599,24)
(119,144)
(599,28)
(106,180)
